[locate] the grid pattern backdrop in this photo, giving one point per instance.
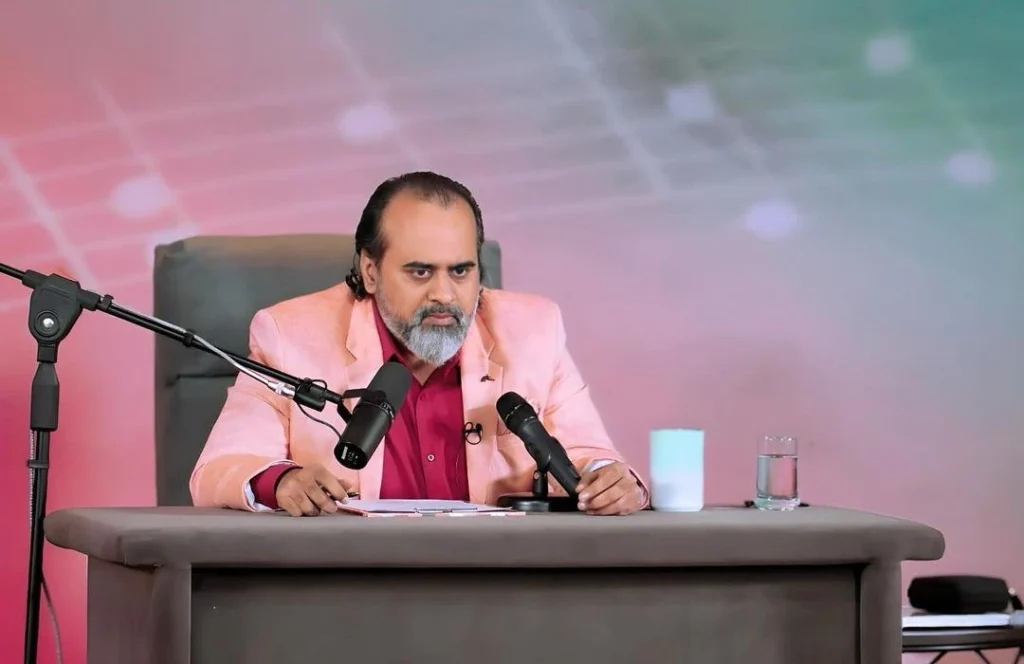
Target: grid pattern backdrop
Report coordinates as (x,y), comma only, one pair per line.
(800,216)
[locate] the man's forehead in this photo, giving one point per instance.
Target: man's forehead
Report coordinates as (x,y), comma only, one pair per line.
(432,231)
(409,209)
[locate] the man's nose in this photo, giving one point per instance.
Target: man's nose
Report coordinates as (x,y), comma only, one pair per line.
(443,290)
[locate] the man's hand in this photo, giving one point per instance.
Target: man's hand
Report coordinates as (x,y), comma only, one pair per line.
(610,489)
(309,491)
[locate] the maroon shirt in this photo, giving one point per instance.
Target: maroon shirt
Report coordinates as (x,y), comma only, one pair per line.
(425,454)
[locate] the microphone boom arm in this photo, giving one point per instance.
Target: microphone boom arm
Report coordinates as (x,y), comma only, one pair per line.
(303,391)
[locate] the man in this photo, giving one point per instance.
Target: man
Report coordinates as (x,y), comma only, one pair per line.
(415,296)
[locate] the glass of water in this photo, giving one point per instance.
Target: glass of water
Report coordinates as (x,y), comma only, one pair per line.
(777,474)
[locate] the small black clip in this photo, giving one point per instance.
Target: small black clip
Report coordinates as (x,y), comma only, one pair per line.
(472,433)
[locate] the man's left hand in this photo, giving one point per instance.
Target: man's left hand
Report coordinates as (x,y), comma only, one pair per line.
(610,490)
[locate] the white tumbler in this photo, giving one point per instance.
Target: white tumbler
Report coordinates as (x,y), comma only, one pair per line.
(677,470)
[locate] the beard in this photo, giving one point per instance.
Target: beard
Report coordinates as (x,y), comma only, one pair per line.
(434,344)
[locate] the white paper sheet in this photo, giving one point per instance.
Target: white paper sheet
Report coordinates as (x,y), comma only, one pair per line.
(418,506)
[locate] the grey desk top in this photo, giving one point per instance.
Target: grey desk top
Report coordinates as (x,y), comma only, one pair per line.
(735,536)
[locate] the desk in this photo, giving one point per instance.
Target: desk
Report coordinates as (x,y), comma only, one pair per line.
(175,585)
(945,641)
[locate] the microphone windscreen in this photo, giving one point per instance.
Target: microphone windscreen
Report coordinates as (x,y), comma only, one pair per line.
(394,380)
(513,407)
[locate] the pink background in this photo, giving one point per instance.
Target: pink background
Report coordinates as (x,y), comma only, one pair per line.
(802,220)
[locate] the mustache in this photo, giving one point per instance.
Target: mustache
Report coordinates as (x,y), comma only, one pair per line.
(454,311)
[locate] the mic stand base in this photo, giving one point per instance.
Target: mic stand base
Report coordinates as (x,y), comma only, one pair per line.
(526,502)
(539,500)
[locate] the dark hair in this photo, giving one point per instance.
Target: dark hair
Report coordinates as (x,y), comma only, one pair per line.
(430,187)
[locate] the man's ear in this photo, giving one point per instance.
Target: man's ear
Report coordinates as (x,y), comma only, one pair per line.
(368,269)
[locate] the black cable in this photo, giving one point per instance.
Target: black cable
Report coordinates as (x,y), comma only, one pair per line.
(50,608)
(322,383)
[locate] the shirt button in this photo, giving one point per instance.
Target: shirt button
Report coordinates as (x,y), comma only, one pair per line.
(430,457)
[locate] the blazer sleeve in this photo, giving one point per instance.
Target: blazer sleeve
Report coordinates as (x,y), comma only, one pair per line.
(251,432)
(570,414)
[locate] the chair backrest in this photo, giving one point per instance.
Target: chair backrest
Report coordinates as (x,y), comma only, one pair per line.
(214,286)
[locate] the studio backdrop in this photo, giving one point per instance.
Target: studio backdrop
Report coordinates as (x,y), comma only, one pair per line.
(800,217)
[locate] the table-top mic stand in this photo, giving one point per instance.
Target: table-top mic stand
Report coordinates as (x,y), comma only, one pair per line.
(538,499)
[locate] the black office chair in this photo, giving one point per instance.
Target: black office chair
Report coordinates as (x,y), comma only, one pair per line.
(214,286)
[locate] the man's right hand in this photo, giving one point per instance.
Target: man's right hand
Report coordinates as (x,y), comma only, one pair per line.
(309,491)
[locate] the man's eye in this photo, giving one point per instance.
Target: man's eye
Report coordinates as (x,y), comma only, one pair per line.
(460,271)
(421,273)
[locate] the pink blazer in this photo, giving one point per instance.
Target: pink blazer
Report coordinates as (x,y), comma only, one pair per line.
(517,340)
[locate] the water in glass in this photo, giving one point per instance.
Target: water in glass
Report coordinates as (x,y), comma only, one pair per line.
(777,474)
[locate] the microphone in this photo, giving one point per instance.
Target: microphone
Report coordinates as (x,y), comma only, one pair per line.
(521,419)
(372,416)
(472,432)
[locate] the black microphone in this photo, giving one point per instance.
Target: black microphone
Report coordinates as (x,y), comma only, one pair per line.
(372,416)
(472,432)
(521,419)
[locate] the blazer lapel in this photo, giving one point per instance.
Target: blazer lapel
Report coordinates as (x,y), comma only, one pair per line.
(367,358)
(481,387)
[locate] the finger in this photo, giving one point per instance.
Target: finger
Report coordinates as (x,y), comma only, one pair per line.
(604,478)
(586,480)
(288,504)
(305,505)
(315,493)
(609,496)
(623,498)
(620,507)
(591,468)
(324,502)
(331,484)
(308,508)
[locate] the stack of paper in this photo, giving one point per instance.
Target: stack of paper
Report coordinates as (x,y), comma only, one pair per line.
(913,619)
(422,508)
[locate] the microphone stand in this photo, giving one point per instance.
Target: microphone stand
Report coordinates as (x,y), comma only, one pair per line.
(538,499)
(54,307)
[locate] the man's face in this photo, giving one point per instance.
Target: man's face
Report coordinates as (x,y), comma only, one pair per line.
(427,285)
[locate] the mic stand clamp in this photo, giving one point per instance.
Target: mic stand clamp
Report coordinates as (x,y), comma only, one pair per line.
(539,500)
